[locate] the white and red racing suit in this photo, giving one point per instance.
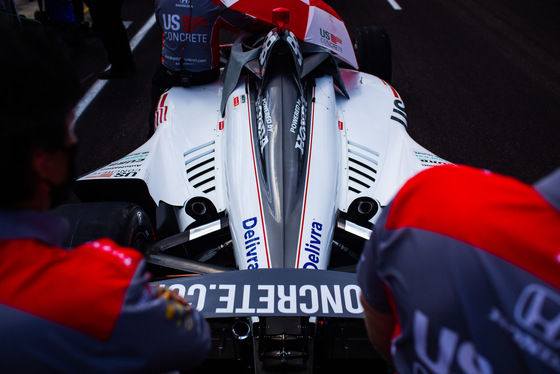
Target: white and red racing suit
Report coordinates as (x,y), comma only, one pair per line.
(468,262)
(86,310)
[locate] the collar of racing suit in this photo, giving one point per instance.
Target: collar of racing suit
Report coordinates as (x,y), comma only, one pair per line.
(31,224)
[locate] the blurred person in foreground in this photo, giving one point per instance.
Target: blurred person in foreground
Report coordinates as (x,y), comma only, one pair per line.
(462,274)
(85,310)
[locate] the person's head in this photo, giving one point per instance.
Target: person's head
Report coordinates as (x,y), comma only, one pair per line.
(39,91)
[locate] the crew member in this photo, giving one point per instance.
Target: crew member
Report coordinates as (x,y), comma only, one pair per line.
(85,310)
(462,274)
(190,52)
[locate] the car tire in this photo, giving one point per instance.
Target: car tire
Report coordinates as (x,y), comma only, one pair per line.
(125,223)
(373,51)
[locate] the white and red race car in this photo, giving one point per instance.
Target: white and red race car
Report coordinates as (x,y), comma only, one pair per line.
(264,186)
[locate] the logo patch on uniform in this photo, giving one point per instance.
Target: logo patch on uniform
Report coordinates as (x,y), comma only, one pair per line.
(538,311)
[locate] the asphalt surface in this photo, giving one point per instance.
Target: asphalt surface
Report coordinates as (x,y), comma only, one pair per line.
(480,81)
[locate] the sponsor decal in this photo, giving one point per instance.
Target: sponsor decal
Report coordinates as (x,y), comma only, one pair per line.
(191,23)
(182,29)
(273,299)
(105,175)
(399,114)
(295,118)
(116,173)
(128,173)
(126,167)
(266,112)
(429,159)
(300,140)
(186,37)
(536,329)
(331,40)
(525,341)
(340,125)
(263,114)
(161,110)
(272,38)
(538,311)
(184,4)
(221,125)
(252,241)
(236,101)
(292,41)
(450,349)
(136,158)
(313,248)
(269,41)
(294,292)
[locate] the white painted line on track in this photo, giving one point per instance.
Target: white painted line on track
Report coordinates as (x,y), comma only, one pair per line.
(394,4)
(99,84)
(143,31)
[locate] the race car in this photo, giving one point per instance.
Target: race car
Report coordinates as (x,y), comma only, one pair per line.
(256,193)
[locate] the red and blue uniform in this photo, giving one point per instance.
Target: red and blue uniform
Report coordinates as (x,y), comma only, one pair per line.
(86,310)
(190,39)
(190,48)
(468,262)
